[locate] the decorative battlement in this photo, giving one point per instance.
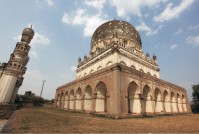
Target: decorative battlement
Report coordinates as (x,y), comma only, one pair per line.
(134,55)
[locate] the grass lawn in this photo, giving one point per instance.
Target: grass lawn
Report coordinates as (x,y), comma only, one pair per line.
(43,120)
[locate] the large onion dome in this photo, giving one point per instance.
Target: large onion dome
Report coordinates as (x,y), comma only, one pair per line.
(122,29)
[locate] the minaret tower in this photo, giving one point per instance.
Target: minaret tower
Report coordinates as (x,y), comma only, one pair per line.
(11,73)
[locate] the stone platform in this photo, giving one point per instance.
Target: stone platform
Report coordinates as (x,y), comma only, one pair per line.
(6,110)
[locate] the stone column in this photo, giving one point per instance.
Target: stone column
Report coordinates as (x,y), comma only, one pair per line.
(163,105)
(178,111)
(82,105)
(143,108)
(94,102)
(116,95)
(153,104)
(7,85)
(74,104)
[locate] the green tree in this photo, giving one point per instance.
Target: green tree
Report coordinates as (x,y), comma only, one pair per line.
(195,97)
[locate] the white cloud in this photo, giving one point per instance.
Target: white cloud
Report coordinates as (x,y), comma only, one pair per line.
(49,2)
(73,68)
(125,8)
(92,24)
(194,40)
(194,27)
(173,12)
(173,46)
(149,31)
(178,32)
(66,18)
(98,4)
(80,17)
(39,39)
(33,54)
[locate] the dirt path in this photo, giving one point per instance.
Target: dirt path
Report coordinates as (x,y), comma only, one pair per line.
(41,120)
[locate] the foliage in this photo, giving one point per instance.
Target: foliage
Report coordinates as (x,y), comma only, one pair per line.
(35,100)
(195,97)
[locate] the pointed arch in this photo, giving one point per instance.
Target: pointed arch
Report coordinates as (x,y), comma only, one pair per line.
(184,105)
(71,99)
(58,100)
(147,108)
(179,103)
(109,63)
(78,99)
(134,104)
(173,102)
(100,67)
(66,100)
(61,104)
(88,98)
(158,101)
(132,66)
(101,99)
(148,73)
(91,71)
(123,63)
(141,70)
(167,103)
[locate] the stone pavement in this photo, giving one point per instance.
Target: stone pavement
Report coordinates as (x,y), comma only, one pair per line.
(2,124)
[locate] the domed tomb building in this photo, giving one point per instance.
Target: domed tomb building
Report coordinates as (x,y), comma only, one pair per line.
(117,79)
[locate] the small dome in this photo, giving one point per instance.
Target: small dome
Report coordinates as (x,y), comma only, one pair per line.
(28,32)
(121,29)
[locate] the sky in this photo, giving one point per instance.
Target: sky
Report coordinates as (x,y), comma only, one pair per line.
(63,31)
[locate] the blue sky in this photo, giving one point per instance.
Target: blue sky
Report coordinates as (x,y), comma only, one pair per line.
(63,30)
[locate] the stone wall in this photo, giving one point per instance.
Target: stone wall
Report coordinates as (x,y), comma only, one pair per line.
(7,110)
(121,90)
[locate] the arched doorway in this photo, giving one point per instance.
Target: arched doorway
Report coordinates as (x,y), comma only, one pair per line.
(173,103)
(78,99)
(66,101)
(71,100)
(101,99)
(88,99)
(158,101)
(147,108)
(134,105)
(184,103)
(167,103)
(179,103)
